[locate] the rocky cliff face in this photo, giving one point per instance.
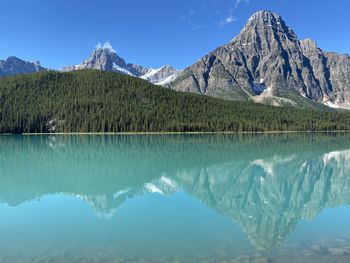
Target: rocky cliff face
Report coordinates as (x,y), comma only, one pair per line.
(105,58)
(263,62)
(339,72)
(332,72)
(14,66)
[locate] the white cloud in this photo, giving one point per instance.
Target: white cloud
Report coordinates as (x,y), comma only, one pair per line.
(106,45)
(224,17)
(240,1)
(231,18)
(188,18)
(228,20)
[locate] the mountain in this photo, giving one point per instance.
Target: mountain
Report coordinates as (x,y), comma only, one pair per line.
(14,66)
(105,58)
(102,101)
(267,63)
(161,76)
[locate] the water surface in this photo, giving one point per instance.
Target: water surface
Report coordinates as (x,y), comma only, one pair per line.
(175,198)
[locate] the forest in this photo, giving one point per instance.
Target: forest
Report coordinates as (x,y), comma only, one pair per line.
(99,101)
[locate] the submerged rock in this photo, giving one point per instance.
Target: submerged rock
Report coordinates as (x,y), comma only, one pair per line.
(339,251)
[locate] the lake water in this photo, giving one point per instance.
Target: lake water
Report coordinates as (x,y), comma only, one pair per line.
(175,198)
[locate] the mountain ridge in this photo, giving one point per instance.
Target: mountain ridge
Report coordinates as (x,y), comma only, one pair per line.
(14,66)
(104,57)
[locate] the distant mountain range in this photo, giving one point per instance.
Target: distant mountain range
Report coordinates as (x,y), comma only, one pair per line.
(14,66)
(265,63)
(102,58)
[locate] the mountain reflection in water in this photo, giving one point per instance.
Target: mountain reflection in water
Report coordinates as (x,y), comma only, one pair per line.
(264,183)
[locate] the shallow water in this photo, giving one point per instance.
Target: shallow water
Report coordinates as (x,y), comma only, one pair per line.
(175,198)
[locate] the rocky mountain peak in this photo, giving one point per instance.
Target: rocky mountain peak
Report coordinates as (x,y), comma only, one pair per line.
(265,33)
(263,21)
(12,58)
(264,16)
(104,58)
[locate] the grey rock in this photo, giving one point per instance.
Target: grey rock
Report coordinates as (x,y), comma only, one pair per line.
(14,66)
(332,72)
(262,260)
(318,62)
(338,251)
(266,60)
(339,73)
(243,259)
(316,248)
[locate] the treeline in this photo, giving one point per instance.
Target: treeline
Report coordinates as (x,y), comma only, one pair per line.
(98,101)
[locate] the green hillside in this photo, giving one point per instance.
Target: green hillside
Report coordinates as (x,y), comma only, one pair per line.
(97,101)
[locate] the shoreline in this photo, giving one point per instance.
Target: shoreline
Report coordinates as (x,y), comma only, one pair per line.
(168,133)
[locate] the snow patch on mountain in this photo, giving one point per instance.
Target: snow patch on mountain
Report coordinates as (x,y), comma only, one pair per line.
(162,75)
(122,70)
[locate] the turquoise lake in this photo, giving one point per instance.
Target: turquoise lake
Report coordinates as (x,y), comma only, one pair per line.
(175,198)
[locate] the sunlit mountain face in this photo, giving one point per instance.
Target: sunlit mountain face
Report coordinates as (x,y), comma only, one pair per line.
(260,197)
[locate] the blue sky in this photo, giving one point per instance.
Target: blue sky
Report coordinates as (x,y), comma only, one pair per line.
(154,32)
